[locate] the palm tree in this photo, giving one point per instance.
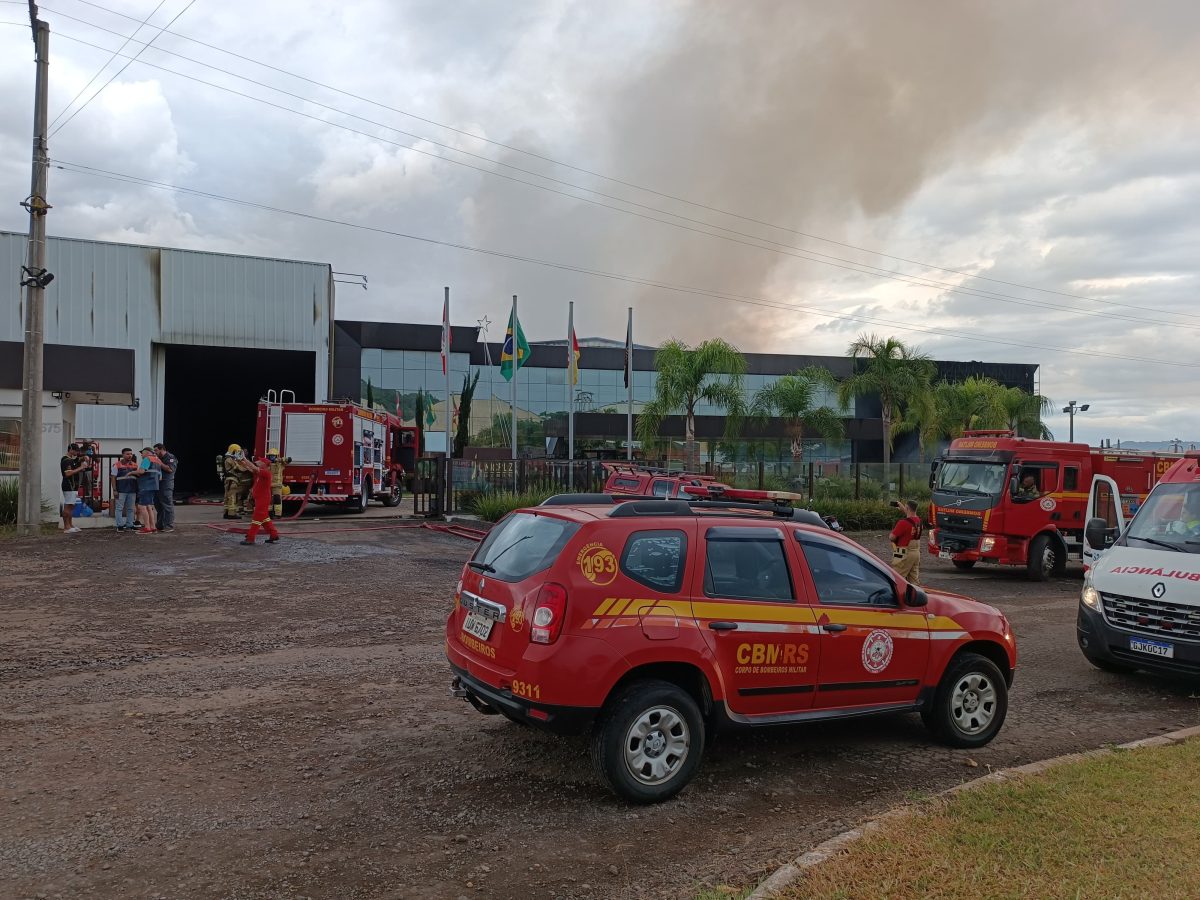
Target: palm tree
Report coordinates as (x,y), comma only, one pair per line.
(1024,411)
(900,376)
(712,372)
(792,398)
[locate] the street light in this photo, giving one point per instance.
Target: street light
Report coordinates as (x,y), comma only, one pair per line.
(1070,409)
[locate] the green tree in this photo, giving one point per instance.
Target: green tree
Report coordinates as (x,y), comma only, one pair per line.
(712,372)
(900,376)
(793,397)
(530,432)
(462,435)
(370,395)
(1024,412)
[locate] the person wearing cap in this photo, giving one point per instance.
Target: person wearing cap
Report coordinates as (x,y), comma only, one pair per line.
(260,471)
(164,500)
(906,544)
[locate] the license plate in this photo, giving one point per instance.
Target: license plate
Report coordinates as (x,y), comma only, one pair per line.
(480,626)
(1153,648)
(945,554)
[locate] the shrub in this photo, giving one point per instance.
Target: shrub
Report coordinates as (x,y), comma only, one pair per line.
(865,515)
(494,507)
(8,501)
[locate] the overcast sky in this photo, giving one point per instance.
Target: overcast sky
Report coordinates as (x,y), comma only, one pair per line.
(1051,146)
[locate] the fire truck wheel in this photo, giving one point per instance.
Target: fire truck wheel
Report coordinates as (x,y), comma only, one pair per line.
(970,702)
(1043,558)
(648,742)
(964,564)
(394,494)
(359,503)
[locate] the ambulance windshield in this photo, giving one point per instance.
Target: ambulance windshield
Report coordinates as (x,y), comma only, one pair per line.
(1170,518)
(971,478)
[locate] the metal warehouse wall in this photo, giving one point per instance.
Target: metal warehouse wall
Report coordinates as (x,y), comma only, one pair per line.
(123,295)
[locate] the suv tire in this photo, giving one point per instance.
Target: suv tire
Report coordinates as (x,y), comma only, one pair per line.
(970,702)
(965,564)
(648,742)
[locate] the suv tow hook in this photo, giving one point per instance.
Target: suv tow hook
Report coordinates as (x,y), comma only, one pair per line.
(456,688)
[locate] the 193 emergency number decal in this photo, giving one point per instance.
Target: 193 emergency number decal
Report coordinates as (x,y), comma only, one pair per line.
(597,563)
(877,651)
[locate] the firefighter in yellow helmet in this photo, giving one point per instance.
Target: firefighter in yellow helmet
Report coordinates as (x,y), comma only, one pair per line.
(277,462)
(236,485)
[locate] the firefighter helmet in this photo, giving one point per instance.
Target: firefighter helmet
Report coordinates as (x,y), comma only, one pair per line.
(234,448)
(274,451)
(285,490)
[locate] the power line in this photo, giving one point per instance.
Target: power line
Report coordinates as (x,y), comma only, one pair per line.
(93,171)
(753,240)
(83,106)
(615,180)
(92,80)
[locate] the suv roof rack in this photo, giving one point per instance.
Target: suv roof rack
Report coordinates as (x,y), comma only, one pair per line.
(585,499)
(634,508)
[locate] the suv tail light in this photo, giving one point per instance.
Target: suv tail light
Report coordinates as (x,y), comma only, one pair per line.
(549,613)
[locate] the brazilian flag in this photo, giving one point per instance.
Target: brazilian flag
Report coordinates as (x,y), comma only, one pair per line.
(516,349)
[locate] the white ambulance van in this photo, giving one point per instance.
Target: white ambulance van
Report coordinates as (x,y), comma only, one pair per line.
(1140,604)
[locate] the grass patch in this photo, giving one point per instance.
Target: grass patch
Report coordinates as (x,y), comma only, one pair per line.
(494,507)
(1125,824)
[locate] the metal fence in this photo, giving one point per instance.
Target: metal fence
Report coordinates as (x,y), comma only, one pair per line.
(830,480)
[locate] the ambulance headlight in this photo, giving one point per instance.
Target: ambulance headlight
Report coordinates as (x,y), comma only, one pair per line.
(987,544)
(1089,596)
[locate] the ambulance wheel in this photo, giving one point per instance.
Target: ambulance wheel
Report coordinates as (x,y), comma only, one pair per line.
(964,564)
(394,494)
(648,742)
(1043,558)
(970,702)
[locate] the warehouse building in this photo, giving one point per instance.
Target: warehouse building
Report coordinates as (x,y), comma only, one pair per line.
(209,334)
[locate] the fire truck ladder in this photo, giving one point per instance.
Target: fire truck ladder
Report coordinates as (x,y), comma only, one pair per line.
(275,401)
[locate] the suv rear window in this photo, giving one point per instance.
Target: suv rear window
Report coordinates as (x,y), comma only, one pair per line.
(626,483)
(522,545)
(661,488)
(746,564)
(655,559)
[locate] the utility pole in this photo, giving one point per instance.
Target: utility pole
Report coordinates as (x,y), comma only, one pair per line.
(29,484)
(1071,409)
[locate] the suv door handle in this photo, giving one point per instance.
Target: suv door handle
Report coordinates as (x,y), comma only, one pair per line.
(834,626)
(723,626)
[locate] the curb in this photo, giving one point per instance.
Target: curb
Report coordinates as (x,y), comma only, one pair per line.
(789,873)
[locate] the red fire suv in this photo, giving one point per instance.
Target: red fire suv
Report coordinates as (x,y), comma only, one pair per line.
(653,622)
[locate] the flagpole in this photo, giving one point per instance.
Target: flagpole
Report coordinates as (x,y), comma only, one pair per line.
(516,350)
(449,405)
(571,369)
(629,387)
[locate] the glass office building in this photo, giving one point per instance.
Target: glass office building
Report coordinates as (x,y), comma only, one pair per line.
(398,367)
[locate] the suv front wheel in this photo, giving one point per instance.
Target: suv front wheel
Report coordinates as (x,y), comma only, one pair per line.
(970,702)
(648,742)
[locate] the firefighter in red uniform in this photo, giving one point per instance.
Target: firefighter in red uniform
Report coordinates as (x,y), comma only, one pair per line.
(261,492)
(906,544)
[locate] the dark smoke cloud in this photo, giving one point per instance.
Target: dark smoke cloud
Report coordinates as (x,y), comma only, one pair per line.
(821,115)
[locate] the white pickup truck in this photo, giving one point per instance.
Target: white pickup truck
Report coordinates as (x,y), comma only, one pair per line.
(1140,604)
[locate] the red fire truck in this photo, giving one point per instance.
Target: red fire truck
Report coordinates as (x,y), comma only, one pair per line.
(340,452)
(984,508)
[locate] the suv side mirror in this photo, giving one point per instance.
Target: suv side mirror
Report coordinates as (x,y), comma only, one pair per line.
(914,596)
(1098,534)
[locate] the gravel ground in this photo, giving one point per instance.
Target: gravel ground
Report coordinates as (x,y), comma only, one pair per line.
(181,716)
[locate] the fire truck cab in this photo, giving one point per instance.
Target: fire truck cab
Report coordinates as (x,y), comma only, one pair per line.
(337,452)
(1021,502)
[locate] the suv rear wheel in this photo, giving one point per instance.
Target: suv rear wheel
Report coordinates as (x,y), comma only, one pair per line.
(970,702)
(649,741)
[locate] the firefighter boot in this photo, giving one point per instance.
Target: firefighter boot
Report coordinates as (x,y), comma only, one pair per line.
(231,499)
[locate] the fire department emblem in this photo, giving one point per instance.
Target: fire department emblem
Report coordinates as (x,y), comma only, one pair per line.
(1158,590)
(1048,504)
(337,440)
(877,652)
(516,619)
(337,422)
